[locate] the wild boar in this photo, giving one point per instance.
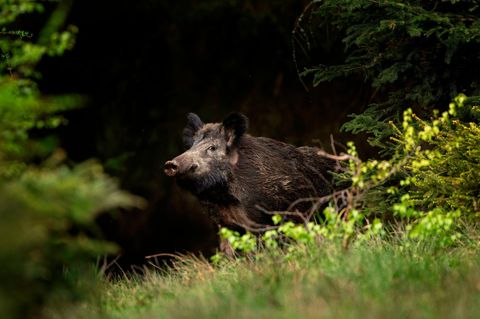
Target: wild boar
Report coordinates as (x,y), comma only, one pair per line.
(240,178)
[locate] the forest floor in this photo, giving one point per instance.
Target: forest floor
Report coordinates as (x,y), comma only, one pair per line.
(376,279)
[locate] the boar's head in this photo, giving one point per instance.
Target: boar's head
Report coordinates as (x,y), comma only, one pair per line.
(207,166)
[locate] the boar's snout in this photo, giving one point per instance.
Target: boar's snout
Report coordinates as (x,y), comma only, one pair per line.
(170,168)
(174,167)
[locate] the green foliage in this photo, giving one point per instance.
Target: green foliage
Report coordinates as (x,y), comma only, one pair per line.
(449,172)
(413,53)
(444,164)
(47,234)
(289,239)
(431,182)
(46,250)
(22,109)
(437,225)
(19,52)
(243,243)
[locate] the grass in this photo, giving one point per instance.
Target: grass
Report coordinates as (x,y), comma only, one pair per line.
(377,279)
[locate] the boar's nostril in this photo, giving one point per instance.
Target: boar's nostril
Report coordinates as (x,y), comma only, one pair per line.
(170,168)
(194,167)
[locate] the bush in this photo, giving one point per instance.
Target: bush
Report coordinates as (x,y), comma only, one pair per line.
(47,246)
(47,208)
(430,184)
(451,174)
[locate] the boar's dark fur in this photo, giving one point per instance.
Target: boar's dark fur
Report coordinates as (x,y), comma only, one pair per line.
(239,177)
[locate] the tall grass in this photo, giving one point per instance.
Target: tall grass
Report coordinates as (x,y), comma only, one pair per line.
(377,279)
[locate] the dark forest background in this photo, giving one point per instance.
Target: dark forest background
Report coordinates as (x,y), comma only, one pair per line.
(144,65)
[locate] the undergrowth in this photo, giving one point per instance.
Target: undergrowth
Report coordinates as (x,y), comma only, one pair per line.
(375,279)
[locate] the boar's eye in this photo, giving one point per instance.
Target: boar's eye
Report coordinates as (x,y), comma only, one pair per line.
(212,148)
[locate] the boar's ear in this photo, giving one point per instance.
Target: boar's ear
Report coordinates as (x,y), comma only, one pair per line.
(194,123)
(235,124)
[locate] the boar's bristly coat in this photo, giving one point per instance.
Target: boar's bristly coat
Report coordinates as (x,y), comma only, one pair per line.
(240,177)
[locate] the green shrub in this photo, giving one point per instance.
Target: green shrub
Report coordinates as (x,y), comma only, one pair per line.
(48,240)
(451,174)
(431,183)
(47,251)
